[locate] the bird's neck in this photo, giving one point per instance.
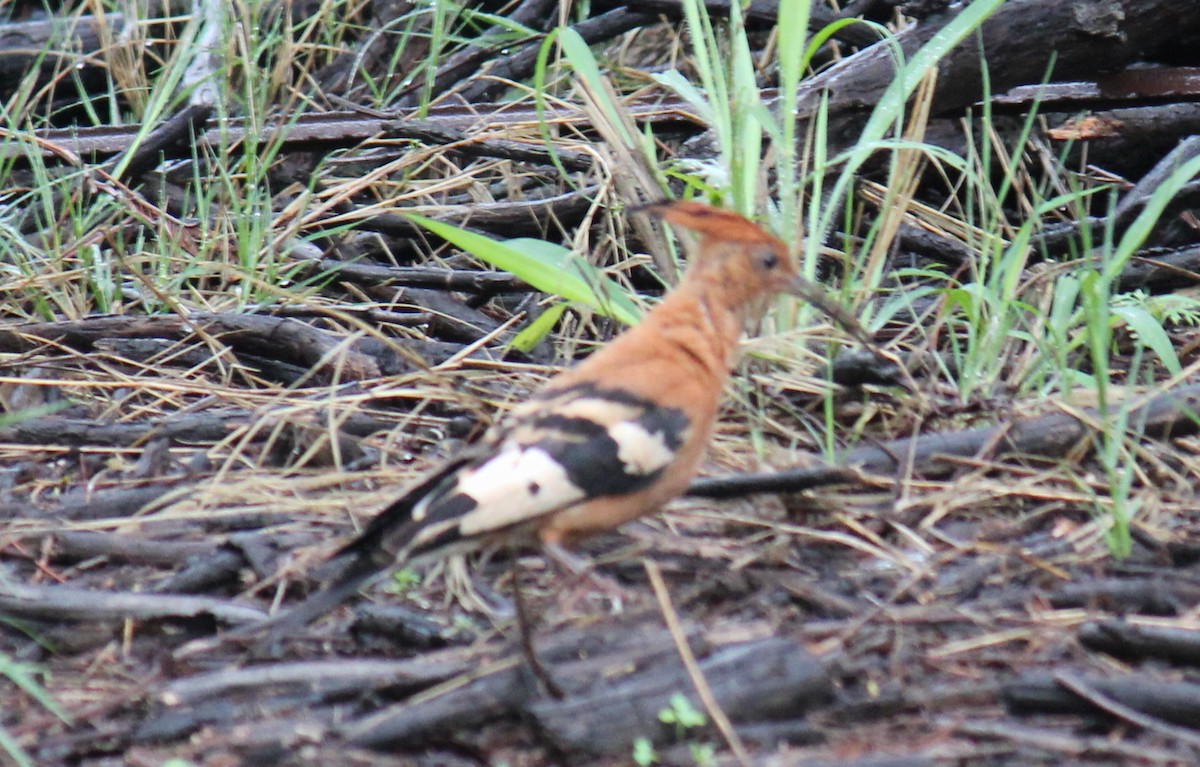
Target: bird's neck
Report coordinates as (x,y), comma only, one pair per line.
(698,318)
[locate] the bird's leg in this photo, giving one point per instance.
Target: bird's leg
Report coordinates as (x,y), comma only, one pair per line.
(525,629)
(583,578)
(472,593)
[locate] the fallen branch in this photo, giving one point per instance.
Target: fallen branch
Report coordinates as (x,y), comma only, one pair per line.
(936,455)
(1043,692)
(1021,41)
(1123,639)
(67,603)
(329,678)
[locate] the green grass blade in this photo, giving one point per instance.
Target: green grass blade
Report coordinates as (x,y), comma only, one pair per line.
(9,745)
(539,103)
(1139,230)
(890,108)
(22,675)
(577,52)
(548,267)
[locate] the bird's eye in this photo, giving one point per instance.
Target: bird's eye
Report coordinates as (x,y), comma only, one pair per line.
(768,259)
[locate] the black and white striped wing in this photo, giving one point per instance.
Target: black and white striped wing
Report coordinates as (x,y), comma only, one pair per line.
(564,448)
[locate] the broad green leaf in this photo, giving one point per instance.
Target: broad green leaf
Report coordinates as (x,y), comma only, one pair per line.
(533,334)
(548,267)
(1150,333)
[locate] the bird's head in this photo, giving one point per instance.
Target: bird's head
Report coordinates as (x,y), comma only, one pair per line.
(734,253)
(743,264)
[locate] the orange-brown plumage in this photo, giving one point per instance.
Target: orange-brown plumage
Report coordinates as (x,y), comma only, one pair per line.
(605,442)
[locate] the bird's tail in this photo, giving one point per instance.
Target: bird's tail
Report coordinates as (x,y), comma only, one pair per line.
(360,568)
(360,560)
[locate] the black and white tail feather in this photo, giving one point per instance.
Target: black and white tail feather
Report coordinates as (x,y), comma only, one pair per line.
(367,556)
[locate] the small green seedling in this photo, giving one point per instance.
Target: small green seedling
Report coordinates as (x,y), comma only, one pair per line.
(682,714)
(644,754)
(686,717)
(404,582)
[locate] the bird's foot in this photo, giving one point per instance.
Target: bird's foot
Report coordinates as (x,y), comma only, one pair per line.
(592,586)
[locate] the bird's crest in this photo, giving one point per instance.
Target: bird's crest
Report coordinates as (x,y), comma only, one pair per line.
(709,222)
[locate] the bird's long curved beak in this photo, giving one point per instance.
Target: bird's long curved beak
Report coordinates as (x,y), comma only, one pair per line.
(817,297)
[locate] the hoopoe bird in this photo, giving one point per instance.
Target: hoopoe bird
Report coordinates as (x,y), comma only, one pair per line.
(605,442)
